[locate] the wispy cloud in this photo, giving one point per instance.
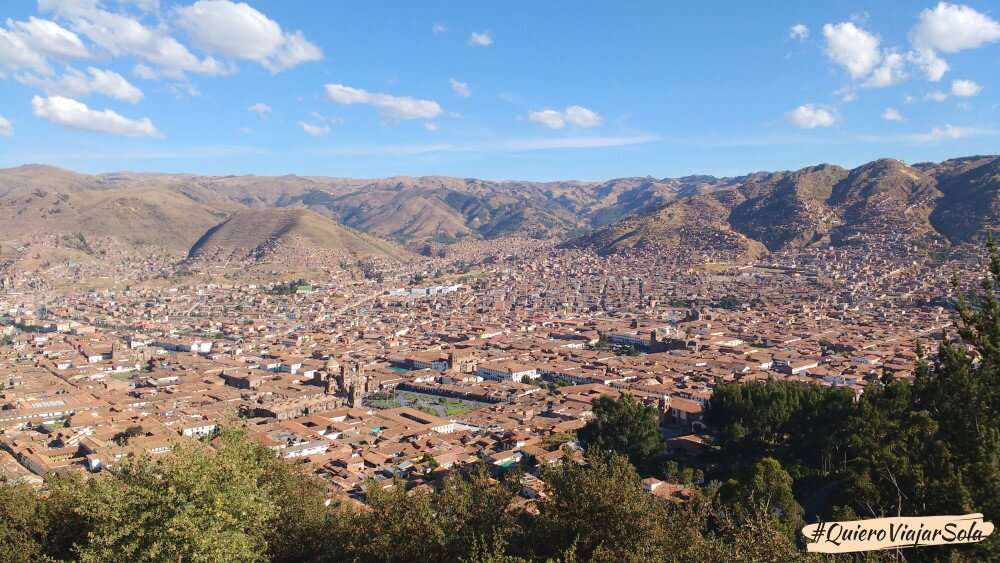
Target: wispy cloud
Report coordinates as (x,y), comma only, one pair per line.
(509,145)
(182,153)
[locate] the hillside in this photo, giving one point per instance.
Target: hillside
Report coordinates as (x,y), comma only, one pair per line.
(818,205)
(257,234)
(954,201)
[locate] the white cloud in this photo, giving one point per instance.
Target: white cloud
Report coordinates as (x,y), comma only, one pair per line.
(431,126)
(965,88)
(582,117)
(549,118)
(145,72)
(846,94)
(121,35)
(892,114)
(76,84)
(315,130)
(852,47)
(810,116)
(481,39)
(16,53)
(460,88)
(946,133)
(260,109)
(184,88)
(151,6)
(799,32)
(933,66)
(50,38)
(71,113)
(890,72)
(510,145)
(953,27)
(936,96)
(392,107)
(573,115)
(240,31)
(439,28)
(6,128)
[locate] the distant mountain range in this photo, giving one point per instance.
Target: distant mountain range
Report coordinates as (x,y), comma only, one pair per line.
(950,202)
(826,204)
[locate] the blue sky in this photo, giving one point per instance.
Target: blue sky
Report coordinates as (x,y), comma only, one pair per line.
(528,90)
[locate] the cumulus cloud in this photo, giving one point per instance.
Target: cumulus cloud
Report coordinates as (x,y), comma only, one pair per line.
(892,114)
(891,71)
(936,96)
(946,133)
(573,115)
(932,65)
(315,130)
(439,28)
(50,38)
(952,27)
(238,30)
(15,53)
(810,116)
(260,109)
(481,39)
(582,117)
(549,118)
(799,32)
(76,84)
(392,107)
(122,35)
(852,47)
(460,88)
(431,126)
(72,113)
(965,88)
(6,128)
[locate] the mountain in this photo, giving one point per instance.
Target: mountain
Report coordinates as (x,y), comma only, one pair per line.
(38,200)
(695,227)
(953,201)
(258,234)
(971,199)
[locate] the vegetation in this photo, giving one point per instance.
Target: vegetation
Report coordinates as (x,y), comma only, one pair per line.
(239,503)
(929,448)
(624,426)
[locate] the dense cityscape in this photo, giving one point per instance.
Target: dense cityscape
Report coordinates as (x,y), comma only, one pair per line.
(519,282)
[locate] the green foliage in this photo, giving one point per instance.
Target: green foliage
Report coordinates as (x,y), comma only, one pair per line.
(625,426)
(23,530)
(927,449)
(730,302)
(468,515)
(601,511)
(767,492)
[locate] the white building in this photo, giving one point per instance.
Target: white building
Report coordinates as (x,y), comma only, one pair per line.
(506,371)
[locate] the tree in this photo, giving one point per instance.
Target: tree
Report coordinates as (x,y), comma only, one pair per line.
(601,511)
(468,515)
(23,526)
(767,491)
(625,426)
(194,506)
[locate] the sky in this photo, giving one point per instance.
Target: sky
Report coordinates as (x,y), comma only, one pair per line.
(502,90)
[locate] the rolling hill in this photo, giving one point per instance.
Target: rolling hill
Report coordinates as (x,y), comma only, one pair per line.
(257,234)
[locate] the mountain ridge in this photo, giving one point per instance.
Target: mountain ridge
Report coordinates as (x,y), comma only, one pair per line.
(951,201)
